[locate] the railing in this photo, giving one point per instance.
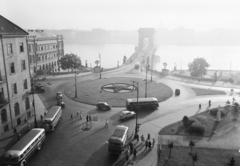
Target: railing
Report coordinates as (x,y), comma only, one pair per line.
(3,102)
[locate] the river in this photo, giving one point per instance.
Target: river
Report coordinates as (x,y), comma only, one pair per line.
(219,57)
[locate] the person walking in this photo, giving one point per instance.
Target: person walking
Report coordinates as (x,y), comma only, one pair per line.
(148,136)
(209,103)
(146,144)
(25,121)
(81,116)
(87,118)
(134,153)
(200,106)
(29,126)
(153,142)
(41,117)
(131,147)
(15,131)
(106,123)
(77,112)
(142,139)
(149,145)
(90,118)
(18,136)
(71,116)
(137,137)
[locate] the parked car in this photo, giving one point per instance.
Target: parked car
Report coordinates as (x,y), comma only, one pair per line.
(39,88)
(60,103)
(127,114)
(59,95)
(103,105)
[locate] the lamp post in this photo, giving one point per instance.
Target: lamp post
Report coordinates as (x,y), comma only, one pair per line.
(146,78)
(75,77)
(136,111)
(33,104)
(100,66)
(152,66)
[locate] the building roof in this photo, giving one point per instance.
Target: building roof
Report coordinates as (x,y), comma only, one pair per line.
(40,33)
(9,28)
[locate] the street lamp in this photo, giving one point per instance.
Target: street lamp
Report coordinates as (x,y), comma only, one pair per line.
(100,66)
(75,77)
(152,66)
(136,111)
(33,104)
(147,66)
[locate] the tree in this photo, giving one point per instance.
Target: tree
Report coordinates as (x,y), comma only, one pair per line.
(194,158)
(170,146)
(97,62)
(191,144)
(198,67)
(70,61)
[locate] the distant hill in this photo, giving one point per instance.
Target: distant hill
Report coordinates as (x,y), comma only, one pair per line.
(163,36)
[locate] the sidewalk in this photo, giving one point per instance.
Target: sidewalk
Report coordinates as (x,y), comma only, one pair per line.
(46,76)
(7,140)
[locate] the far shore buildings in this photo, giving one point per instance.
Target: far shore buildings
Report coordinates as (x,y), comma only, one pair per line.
(15,86)
(43,58)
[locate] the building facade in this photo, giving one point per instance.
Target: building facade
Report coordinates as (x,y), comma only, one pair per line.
(44,51)
(15,99)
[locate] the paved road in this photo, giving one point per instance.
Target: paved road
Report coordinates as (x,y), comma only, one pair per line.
(74,144)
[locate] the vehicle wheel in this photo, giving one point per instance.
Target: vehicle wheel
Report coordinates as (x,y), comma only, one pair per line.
(39,146)
(23,163)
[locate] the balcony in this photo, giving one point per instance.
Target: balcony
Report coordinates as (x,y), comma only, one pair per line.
(3,102)
(2,79)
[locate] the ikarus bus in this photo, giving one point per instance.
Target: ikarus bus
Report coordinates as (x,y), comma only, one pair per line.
(51,118)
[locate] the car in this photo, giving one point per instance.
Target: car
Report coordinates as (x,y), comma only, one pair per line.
(103,105)
(60,103)
(127,114)
(40,90)
(59,95)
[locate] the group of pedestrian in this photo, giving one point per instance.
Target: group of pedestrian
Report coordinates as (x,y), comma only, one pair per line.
(148,143)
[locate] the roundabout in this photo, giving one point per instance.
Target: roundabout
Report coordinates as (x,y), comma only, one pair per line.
(115,91)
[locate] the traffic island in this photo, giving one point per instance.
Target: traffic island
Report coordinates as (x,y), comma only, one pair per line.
(115,91)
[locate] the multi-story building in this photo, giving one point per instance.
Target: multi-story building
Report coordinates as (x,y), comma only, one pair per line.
(44,51)
(15,101)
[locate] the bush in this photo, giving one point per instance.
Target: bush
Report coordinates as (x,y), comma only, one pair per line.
(187,122)
(214,111)
(196,128)
(202,120)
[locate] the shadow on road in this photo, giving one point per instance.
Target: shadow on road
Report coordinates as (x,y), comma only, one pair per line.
(102,158)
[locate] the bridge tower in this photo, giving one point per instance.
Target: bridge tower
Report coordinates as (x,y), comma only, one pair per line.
(146,38)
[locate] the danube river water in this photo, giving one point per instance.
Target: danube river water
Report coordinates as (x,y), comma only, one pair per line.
(219,57)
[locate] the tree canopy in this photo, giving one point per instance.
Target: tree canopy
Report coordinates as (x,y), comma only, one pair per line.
(70,61)
(198,67)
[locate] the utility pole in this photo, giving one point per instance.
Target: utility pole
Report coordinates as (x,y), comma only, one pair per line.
(146,78)
(136,110)
(152,66)
(75,77)
(100,66)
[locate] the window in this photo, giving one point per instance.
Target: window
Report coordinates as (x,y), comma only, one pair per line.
(12,67)
(9,49)
(21,47)
(27,104)
(25,84)
(1,95)
(15,88)
(4,115)
(23,65)
(16,109)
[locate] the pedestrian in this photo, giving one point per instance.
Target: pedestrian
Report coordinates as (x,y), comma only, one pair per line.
(41,117)
(45,113)
(18,136)
(127,155)
(87,117)
(134,153)
(209,103)
(142,138)
(106,123)
(81,116)
(153,141)
(200,106)
(29,126)
(131,147)
(148,136)
(146,144)
(90,118)
(233,100)
(77,112)
(25,121)
(71,116)
(137,137)
(14,131)
(149,144)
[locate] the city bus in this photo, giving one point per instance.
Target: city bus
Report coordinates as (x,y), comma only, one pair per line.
(51,119)
(19,153)
(150,102)
(118,139)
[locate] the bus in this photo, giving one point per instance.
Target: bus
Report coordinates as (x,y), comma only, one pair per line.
(19,153)
(118,139)
(150,102)
(50,121)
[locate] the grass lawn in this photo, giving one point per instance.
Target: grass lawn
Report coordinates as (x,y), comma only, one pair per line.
(91,92)
(201,92)
(206,157)
(211,125)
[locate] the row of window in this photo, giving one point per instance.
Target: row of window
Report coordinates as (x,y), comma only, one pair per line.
(10,48)
(12,66)
(42,47)
(16,110)
(42,57)
(14,87)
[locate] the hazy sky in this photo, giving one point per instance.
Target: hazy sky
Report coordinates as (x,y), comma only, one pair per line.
(122,14)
